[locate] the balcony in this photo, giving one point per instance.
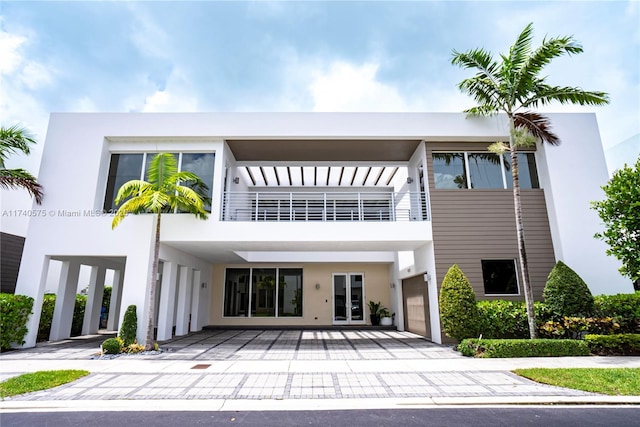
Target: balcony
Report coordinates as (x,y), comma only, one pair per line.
(317,206)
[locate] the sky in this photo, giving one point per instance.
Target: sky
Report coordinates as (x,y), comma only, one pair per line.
(233,56)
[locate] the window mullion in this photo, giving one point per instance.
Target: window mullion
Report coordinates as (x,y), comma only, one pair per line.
(504,172)
(250,292)
(466,169)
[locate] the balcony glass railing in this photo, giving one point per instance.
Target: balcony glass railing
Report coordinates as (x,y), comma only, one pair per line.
(335,206)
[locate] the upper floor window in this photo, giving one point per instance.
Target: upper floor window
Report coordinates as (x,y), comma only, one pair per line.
(129,166)
(482,170)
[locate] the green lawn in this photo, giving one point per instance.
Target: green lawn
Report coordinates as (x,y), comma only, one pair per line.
(41,380)
(612,381)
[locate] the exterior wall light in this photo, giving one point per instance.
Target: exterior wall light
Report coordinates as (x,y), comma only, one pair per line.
(409,180)
(236,180)
(317,285)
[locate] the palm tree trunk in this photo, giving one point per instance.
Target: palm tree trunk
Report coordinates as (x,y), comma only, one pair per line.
(524,264)
(151,303)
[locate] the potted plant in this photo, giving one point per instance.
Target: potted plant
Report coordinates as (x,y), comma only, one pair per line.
(374,312)
(386,318)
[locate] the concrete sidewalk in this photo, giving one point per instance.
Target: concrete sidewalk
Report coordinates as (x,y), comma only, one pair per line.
(262,370)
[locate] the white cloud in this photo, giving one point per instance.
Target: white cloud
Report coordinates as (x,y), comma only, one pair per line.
(9,45)
(150,39)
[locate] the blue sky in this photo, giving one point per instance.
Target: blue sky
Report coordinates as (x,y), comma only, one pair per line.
(295,56)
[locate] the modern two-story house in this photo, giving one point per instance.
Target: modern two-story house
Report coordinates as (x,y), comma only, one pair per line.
(312,216)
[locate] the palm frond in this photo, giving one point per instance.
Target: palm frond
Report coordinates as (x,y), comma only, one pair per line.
(163,166)
(538,125)
(130,189)
(521,49)
(134,205)
(21,179)
(546,94)
(14,139)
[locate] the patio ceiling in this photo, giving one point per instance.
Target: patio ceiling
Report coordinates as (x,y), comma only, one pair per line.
(321,176)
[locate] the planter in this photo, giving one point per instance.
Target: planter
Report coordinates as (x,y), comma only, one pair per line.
(375,319)
(386,321)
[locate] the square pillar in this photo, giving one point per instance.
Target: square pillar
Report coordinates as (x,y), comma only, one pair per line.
(195,302)
(38,297)
(65,301)
(92,310)
(116,300)
(185,286)
(167,301)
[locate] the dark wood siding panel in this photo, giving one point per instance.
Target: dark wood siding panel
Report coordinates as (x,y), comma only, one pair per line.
(10,255)
(471,225)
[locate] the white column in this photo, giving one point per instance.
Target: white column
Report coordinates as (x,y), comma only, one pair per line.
(195,302)
(185,285)
(38,296)
(65,301)
(116,300)
(93,307)
(167,300)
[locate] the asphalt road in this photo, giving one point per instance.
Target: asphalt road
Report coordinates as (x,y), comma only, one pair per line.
(547,416)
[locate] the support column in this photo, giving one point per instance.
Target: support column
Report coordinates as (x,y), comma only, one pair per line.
(184,300)
(195,302)
(167,300)
(38,297)
(116,300)
(92,310)
(65,301)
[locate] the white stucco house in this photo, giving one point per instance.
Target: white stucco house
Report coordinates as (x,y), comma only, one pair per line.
(312,216)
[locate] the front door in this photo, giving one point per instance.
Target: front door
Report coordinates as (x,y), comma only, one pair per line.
(348,298)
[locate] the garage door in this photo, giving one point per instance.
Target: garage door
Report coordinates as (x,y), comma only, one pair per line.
(416,306)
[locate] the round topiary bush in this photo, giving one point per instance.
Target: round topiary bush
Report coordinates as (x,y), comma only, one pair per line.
(129,328)
(458,309)
(566,294)
(111,346)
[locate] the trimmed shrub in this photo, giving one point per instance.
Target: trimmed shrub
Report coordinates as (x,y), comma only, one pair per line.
(14,313)
(78,315)
(522,348)
(112,346)
(623,308)
(614,345)
(46,317)
(566,294)
(578,327)
(458,309)
(129,328)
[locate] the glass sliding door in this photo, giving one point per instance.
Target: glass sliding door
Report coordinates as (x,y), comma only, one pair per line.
(348,298)
(263,293)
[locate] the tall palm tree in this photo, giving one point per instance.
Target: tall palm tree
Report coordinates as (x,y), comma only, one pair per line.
(163,193)
(16,139)
(513,86)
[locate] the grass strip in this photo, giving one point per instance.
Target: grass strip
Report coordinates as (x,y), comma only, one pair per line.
(36,381)
(611,381)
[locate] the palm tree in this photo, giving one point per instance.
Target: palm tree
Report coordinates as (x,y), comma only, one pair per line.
(16,139)
(514,87)
(163,193)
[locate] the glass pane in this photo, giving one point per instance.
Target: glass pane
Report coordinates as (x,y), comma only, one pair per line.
(263,292)
(290,292)
(340,297)
(484,169)
(356,297)
(202,165)
(527,168)
(499,277)
(449,171)
(123,168)
(236,292)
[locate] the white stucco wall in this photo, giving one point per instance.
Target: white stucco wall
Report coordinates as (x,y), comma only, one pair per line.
(571,175)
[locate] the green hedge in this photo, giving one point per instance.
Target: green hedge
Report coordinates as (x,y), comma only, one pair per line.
(14,313)
(522,348)
(614,345)
(624,308)
(508,319)
(48,305)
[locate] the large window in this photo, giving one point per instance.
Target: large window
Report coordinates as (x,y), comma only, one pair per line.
(482,170)
(268,292)
(500,277)
(129,166)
